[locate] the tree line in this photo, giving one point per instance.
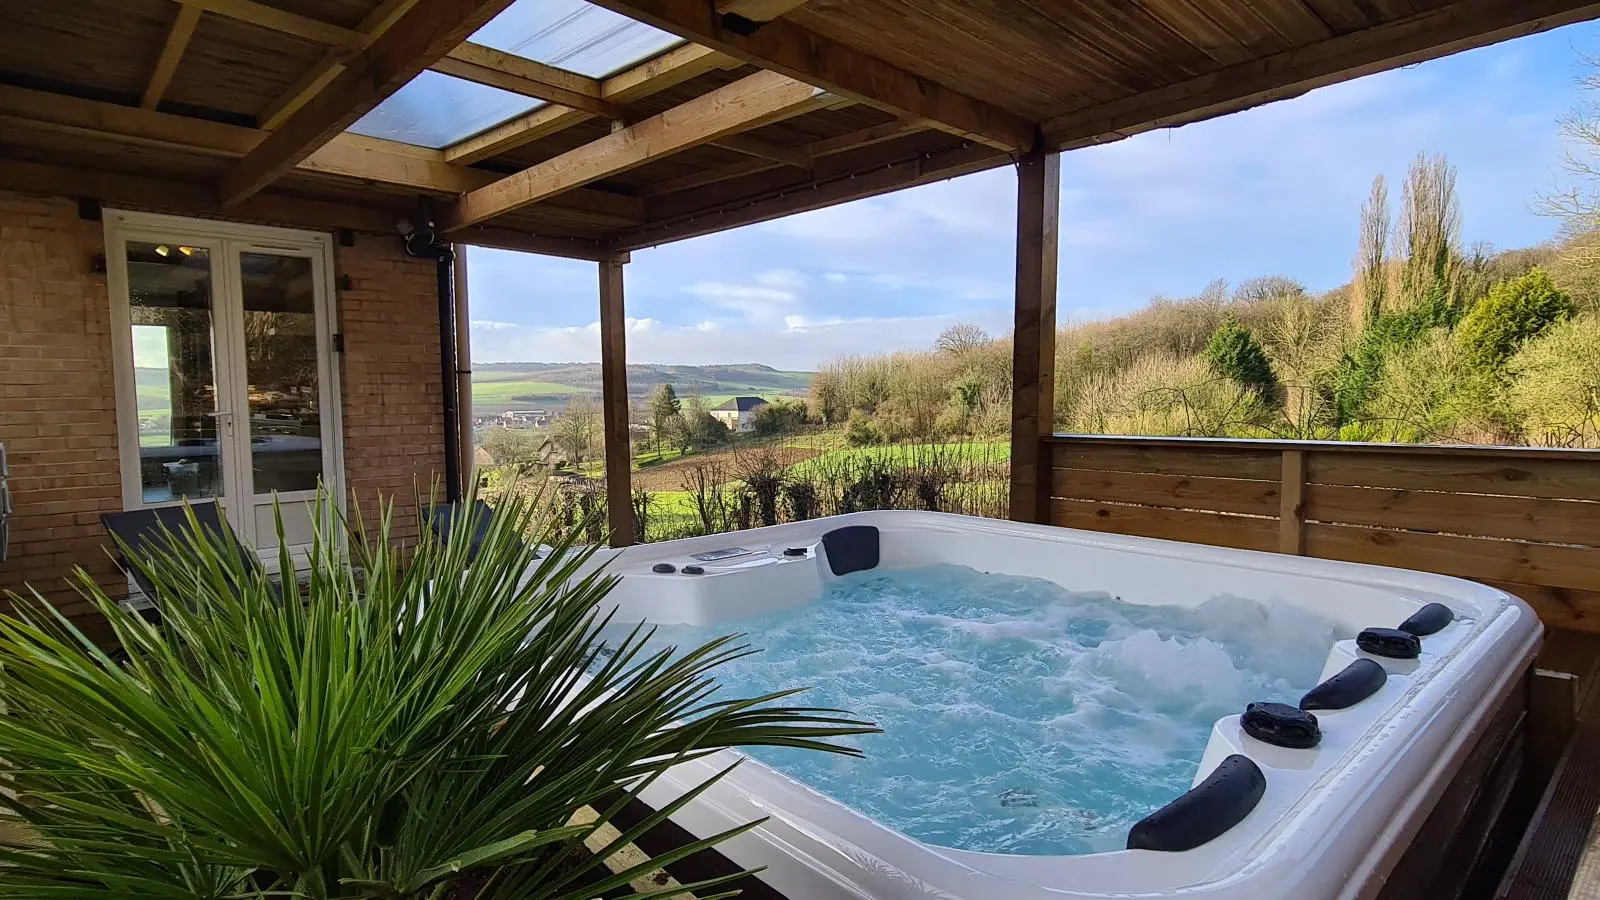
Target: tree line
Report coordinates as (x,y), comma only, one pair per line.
(1431,341)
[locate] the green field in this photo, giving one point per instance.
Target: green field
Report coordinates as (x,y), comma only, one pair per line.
(500,386)
(520,391)
(905,454)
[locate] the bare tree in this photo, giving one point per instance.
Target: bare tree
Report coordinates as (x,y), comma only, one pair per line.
(1372,260)
(1430,228)
(1268,289)
(1577,204)
(1303,341)
(958,340)
(574,430)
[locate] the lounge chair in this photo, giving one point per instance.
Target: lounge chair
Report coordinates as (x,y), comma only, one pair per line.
(441,518)
(138,529)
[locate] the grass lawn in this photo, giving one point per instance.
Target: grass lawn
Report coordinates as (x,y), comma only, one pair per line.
(671,503)
(907,454)
(653,458)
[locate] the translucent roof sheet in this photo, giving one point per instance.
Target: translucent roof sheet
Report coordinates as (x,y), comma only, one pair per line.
(573,35)
(436,110)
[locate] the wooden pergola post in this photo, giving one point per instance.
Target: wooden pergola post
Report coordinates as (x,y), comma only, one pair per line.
(614,402)
(1033,358)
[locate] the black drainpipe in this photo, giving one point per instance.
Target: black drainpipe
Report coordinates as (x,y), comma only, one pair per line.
(427,243)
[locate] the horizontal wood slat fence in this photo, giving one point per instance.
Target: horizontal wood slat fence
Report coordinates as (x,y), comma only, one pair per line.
(1523,519)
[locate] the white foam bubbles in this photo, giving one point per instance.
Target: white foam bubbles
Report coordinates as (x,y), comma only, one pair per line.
(991,688)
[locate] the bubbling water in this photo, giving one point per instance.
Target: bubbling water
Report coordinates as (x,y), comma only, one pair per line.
(1018,717)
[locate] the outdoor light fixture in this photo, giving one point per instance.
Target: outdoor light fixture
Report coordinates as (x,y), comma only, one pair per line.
(163,250)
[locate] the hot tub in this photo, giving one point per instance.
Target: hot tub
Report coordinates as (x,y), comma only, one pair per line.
(1331,820)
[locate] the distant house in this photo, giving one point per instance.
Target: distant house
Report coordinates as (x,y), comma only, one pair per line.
(739,413)
(525,418)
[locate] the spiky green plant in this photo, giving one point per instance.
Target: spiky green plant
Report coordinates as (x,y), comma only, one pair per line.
(411,723)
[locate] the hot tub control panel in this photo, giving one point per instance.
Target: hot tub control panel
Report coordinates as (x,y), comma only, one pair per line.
(722,583)
(729,559)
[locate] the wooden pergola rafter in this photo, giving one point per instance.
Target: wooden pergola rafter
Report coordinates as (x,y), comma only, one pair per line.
(749,103)
(419,37)
(807,56)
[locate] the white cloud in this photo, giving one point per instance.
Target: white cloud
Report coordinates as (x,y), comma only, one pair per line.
(754,304)
(836,277)
(782,279)
(801,344)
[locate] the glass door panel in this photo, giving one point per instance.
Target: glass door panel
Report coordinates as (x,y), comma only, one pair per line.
(170,291)
(282,372)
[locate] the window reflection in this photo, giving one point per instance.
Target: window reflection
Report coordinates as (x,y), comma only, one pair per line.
(169,291)
(280,335)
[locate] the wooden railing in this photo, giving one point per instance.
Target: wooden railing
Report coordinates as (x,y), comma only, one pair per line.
(1523,519)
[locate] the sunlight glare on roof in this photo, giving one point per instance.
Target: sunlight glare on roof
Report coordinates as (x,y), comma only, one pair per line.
(573,35)
(436,110)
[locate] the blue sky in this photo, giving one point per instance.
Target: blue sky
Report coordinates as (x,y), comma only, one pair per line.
(1271,191)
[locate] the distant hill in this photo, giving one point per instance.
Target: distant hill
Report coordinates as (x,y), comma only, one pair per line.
(500,386)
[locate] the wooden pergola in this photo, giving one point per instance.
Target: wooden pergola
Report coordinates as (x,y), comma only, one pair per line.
(240,109)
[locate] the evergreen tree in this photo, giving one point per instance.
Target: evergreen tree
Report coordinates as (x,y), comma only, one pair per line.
(1516,310)
(664,411)
(1234,353)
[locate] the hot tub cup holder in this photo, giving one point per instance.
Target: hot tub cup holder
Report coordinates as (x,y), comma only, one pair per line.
(1281,725)
(1390,643)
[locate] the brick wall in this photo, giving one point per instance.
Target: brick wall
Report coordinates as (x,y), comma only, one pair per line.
(58,407)
(57,403)
(393,401)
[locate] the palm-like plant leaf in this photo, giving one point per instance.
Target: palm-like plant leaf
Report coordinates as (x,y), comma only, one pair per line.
(408,715)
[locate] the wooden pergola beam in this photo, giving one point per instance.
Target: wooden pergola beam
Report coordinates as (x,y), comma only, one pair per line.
(496,68)
(423,35)
(507,136)
(347,155)
(280,20)
(317,77)
(671,68)
(1440,32)
(544,245)
(812,151)
(801,194)
(758,10)
(1033,339)
(748,103)
(753,146)
(177,41)
(194,199)
(784,47)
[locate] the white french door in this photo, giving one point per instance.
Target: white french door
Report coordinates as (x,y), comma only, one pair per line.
(222,338)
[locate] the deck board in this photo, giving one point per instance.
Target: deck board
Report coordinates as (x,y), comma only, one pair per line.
(1559,857)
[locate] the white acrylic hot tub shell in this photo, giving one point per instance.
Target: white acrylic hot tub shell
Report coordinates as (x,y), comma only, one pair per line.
(1333,822)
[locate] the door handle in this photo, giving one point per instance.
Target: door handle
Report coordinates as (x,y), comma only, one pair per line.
(224,420)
